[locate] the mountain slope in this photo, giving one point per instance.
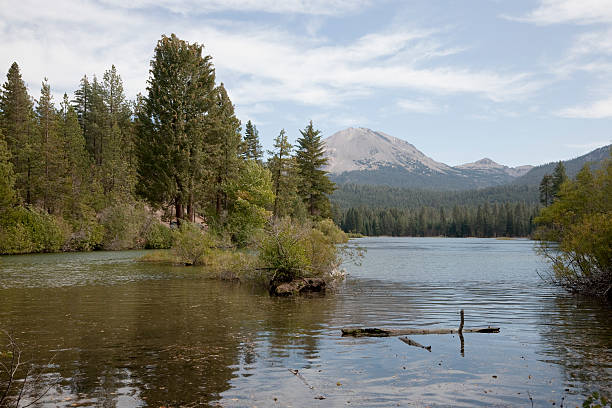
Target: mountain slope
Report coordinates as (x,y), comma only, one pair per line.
(572,167)
(364,156)
(487,165)
(364,149)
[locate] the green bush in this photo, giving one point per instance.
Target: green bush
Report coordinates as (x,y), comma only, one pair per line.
(25,230)
(191,244)
(87,234)
(158,237)
(125,226)
(332,231)
(289,250)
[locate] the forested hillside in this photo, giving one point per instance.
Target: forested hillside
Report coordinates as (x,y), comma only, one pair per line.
(356,195)
(496,220)
(382,210)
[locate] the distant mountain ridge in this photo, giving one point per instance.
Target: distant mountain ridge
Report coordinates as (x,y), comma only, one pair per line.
(488,165)
(364,156)
(572,167)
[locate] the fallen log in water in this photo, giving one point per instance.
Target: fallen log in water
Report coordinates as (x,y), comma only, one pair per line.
(376,332)
(411,342)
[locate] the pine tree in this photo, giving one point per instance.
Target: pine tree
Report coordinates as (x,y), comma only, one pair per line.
(546,190)
(82,106)
(7,177)
(252,146)
(171,121)
(47,172)
(314,184)
(223,141)
(117,172)
(75,163)
(282,167)
(558,178)
(17,122)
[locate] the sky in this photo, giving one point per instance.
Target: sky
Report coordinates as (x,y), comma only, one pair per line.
(518,81)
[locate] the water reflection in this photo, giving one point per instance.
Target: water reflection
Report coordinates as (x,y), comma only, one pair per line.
(576,335)
(167,342)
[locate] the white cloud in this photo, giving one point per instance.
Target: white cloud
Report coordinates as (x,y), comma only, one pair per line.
(259,64)
(570,11)
(597,110)
(317,7)
(418,106)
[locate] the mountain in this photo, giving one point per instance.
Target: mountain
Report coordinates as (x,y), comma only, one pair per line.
(364,156)
(356,149)
(572,167)
(487,165)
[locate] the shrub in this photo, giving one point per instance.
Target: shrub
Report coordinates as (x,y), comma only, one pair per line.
(87,233)
(282,250)
(125,226)
(290,250)
(191,244)
(26,230)
(332,231)
(158,237)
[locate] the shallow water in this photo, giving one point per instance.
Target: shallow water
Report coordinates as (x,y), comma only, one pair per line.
(121,333)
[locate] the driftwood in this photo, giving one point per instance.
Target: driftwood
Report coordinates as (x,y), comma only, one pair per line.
(411,342)
(376,332)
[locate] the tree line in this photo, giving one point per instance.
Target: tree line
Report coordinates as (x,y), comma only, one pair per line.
(489,212)
(100,170)
(488,220)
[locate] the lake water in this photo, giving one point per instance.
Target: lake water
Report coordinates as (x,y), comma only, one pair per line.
(109,331)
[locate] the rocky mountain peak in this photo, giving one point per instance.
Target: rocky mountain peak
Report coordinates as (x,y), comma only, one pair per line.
(365,149)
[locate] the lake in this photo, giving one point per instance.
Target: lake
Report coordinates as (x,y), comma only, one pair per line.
(105,330)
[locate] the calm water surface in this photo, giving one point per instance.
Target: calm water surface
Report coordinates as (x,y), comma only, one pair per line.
(120,333)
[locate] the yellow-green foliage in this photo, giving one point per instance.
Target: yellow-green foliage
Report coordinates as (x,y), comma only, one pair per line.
(191,244)
(125,226)
(251,194)
(576,232)
(164,256)
(87,233)
(332,231)
(289,250)
(230,265)
(25,230)
(159,236)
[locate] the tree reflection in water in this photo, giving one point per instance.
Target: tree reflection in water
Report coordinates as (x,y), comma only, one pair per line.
(164,342)
(576,335)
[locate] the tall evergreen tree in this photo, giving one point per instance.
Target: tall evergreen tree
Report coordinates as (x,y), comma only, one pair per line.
(7,177)
(82,106)
(558,178)
(252,146)
(18,125)
(314,184)
(117,170)
(223,142)
(171,123)
(48,172)
(546,190)
(282,167)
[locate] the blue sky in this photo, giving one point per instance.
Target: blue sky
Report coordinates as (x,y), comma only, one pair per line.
(521,82)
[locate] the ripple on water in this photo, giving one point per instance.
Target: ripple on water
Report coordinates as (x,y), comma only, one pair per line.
(131,334)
